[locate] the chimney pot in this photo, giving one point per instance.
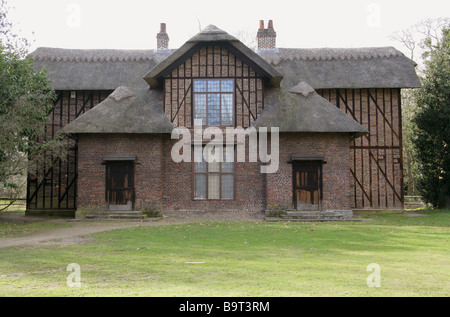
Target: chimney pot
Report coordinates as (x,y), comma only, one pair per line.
(266,38)
(162,39)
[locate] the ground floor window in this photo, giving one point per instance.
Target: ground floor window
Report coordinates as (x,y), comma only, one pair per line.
(214,180)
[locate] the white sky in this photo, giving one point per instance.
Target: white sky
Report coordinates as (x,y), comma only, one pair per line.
(133,24)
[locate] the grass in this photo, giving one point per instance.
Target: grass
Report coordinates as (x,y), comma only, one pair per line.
(243,259)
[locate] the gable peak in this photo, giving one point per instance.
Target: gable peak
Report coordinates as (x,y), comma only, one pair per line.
(212,29)
(213,34)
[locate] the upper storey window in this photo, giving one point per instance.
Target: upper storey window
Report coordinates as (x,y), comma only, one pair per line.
(214,101)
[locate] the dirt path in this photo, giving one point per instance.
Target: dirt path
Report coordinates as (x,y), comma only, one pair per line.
(76,233)
(79,230)
(62,236)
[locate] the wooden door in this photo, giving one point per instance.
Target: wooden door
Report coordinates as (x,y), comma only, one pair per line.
(307,185)
(120,185)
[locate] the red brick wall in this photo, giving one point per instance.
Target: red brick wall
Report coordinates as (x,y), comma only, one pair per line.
(159,180)
(336,175)
(177,187)
(91,172)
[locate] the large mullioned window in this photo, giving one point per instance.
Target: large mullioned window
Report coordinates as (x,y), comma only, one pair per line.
(214,105)
(213,101)
(214,180)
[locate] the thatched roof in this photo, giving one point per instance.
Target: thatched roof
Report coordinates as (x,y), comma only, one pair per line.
(379,67)
(301,109)
(290,103)
(79,69)
(126,110)
(212,34)
(322,68)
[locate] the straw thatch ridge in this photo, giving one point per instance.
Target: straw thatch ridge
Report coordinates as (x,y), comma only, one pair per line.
(329,54)
(84,69)
(212,34)
(50,54)
(326,68)
(322,68)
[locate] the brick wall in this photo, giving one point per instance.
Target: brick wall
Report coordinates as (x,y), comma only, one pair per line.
(178,182)
(336,175)
(91,173)
(159,180)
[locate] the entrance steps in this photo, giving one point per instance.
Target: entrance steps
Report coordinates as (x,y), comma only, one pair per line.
(306,216)
(414,202)
(118,215)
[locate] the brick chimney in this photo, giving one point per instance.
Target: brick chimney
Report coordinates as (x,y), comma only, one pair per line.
(162,39)
(266,37)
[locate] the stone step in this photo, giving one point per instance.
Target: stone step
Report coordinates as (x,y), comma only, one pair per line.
(311,218)
(311,214)
(341,215)
(117,215)
(127,217)
(281,219)
(414,204)
(413,199)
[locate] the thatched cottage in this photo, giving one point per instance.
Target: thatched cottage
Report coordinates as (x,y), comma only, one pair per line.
(337,113)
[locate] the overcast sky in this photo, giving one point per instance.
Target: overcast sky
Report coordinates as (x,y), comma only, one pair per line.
(133,24)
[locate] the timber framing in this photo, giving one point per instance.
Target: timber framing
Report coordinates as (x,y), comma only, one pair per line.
(55,187)
(213,61)
(376,166)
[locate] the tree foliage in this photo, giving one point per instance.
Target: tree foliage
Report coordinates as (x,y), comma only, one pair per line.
(431,135)
(25,101)
(410,167)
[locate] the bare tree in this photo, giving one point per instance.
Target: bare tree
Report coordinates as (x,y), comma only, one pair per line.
(247,37)
(413,37)
(432,28)
(407,39)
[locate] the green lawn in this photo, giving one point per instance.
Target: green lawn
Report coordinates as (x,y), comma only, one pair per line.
(244,259)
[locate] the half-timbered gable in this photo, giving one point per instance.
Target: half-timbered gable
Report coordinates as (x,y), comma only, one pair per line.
(211,59)
(211,65)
